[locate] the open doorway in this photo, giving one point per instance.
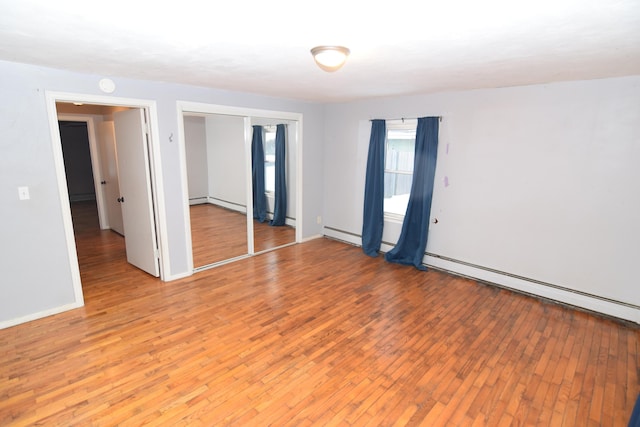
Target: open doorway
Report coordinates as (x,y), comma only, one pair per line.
(88,146)
(81,182)
(132,125)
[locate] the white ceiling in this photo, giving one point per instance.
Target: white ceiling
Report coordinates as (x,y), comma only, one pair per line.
(397,47)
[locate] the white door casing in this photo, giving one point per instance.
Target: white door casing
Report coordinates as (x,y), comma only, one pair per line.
(51,97)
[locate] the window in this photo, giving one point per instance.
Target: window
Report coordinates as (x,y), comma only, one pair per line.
(398,165)
(270,159)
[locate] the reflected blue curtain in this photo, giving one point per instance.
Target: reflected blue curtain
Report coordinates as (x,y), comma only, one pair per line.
(280,205)
(634,421)
(413,238)
(257,175)
(373,213)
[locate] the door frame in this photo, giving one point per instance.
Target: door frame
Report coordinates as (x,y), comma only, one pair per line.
(186,107)
(96,165)
(155,169)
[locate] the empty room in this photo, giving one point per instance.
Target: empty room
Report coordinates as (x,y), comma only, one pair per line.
(320,213)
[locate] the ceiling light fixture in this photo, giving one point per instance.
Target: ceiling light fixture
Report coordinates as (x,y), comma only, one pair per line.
(330,58)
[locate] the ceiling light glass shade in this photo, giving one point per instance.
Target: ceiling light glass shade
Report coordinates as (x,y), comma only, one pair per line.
(330,58)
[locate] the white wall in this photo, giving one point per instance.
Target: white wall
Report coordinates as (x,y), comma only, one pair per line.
(196,152)
(544,184)
(227,160)
(36,277)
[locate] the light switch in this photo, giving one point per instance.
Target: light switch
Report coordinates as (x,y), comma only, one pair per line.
(23,193)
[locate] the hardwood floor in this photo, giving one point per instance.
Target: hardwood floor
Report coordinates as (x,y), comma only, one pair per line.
(266,236)
(218,234)
(312,334)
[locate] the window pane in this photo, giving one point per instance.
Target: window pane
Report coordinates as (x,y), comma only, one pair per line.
(269,144)
(396,184)
(400,154)
(396,205)
(269,177)
(399,159)
(396,188)
(269,161)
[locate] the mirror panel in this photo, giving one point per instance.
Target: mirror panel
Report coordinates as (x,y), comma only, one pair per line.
(265,235)
(215,156)
(218,160)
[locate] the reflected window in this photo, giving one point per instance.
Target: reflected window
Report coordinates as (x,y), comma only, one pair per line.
(270,159)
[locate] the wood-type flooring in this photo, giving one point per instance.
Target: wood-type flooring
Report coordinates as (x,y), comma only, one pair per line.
(311,334)
(218,234)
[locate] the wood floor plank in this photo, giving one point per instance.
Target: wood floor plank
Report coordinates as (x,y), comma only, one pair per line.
(309,335)
(218,234)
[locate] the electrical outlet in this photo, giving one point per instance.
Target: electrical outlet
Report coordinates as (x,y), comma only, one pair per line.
(319,219)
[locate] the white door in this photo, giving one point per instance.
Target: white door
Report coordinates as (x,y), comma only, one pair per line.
(109,182)
(135,190)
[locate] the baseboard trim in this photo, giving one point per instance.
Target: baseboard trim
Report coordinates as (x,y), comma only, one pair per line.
(234,207)
(39,315)
(178,276)
(547,291)
(227,205)
(308,239)
(524,285)
(198,201)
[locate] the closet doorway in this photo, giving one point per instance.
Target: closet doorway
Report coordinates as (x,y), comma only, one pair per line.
(218,171)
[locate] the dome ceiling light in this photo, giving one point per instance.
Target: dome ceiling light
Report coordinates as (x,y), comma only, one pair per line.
(330,58)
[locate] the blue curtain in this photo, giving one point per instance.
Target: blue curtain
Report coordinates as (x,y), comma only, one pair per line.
(257,175)
(280,208)
(373,213)
(413,238)
(634,421)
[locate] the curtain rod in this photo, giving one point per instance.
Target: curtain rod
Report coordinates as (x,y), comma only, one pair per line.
(270,125)
(408,118)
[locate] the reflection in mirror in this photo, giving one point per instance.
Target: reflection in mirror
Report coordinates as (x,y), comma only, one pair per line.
(215,156)
(279,169)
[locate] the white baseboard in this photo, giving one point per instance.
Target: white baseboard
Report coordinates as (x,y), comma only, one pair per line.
(344,236)
(238,208)
(227,205)
(198,201)
(549,291)
(308,239)
(39,315)
(173,277)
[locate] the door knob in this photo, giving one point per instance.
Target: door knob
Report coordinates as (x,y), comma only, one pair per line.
(103,182)
(121,199)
